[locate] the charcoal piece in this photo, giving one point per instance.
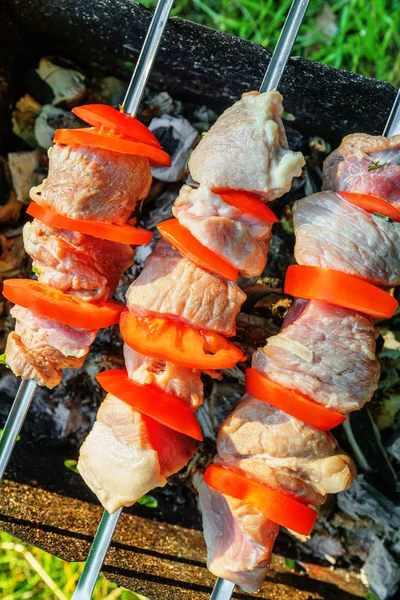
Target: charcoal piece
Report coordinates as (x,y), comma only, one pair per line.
(52,83)
(23,167)
(177,137)
(363,500)
(382,571)
(51,118)
(365,440)
(23,119)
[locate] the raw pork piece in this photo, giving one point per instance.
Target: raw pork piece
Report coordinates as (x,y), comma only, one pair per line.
(352,166)
(283,452)
(40,348)
(74,262)
(247,149)
(241,239)
(127,454)
(325,352)
(172,286)
(335,234)
(239,539)
(92,183)
(179,381)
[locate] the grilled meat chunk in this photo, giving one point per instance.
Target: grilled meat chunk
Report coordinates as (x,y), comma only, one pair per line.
(127,454)
(366,164)
(241,239)
(179,381)
(335,234)
(74,262)
(92,183)
(325,352)
(40,348)
(239,539)
(172,286)
(247,149)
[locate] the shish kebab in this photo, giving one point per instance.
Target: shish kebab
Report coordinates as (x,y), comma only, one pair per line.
(276,446)
(80,241)
(183,305)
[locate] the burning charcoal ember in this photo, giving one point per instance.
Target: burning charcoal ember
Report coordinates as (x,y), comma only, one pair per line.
(382,571)
(51,83)
(51,118)
(24,168)
(108,90)
(10,208)
(364,500)
(394,448)
(23,119)
(178,137)
(203,118)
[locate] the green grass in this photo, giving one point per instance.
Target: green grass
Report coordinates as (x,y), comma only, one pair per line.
(27,573)
(365,36)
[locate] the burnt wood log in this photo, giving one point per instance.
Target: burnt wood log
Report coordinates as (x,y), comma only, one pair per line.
(200,64)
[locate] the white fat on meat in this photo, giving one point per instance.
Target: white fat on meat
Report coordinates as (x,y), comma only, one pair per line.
(247,149)
(366,164)
(182,382)
(239,539)
(172,286)
(241,239)
(334,234)
(128,454)
(40,348)
(92,183)
(76,263)
(325,352)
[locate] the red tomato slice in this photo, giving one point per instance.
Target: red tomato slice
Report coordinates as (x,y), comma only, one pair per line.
(372,204)
(339,288)
(247,203)
(102,115)
(276,506)
(152,401)
(93,137)
(124,234)
(291,402)
(179,344)
(64,308)
(191,248)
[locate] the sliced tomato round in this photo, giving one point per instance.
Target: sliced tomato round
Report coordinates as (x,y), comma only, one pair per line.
(123,234)
(342,289)
(177,343)
(247,203)
(183,240)
(275,505)
(291,402)
(94,137)
(152,401)
(372,204)
(102,115)
(64,308)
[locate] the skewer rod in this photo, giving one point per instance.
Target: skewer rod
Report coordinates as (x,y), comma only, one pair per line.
(284,46)
(97,553)
(393,123)
(146,58)
(223,589)
(14,422)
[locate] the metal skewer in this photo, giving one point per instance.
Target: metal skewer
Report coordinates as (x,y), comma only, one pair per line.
(108,523)
(26,391)
(393,123)
(223,589)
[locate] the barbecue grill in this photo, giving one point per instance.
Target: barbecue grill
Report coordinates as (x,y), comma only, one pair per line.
(197,65)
